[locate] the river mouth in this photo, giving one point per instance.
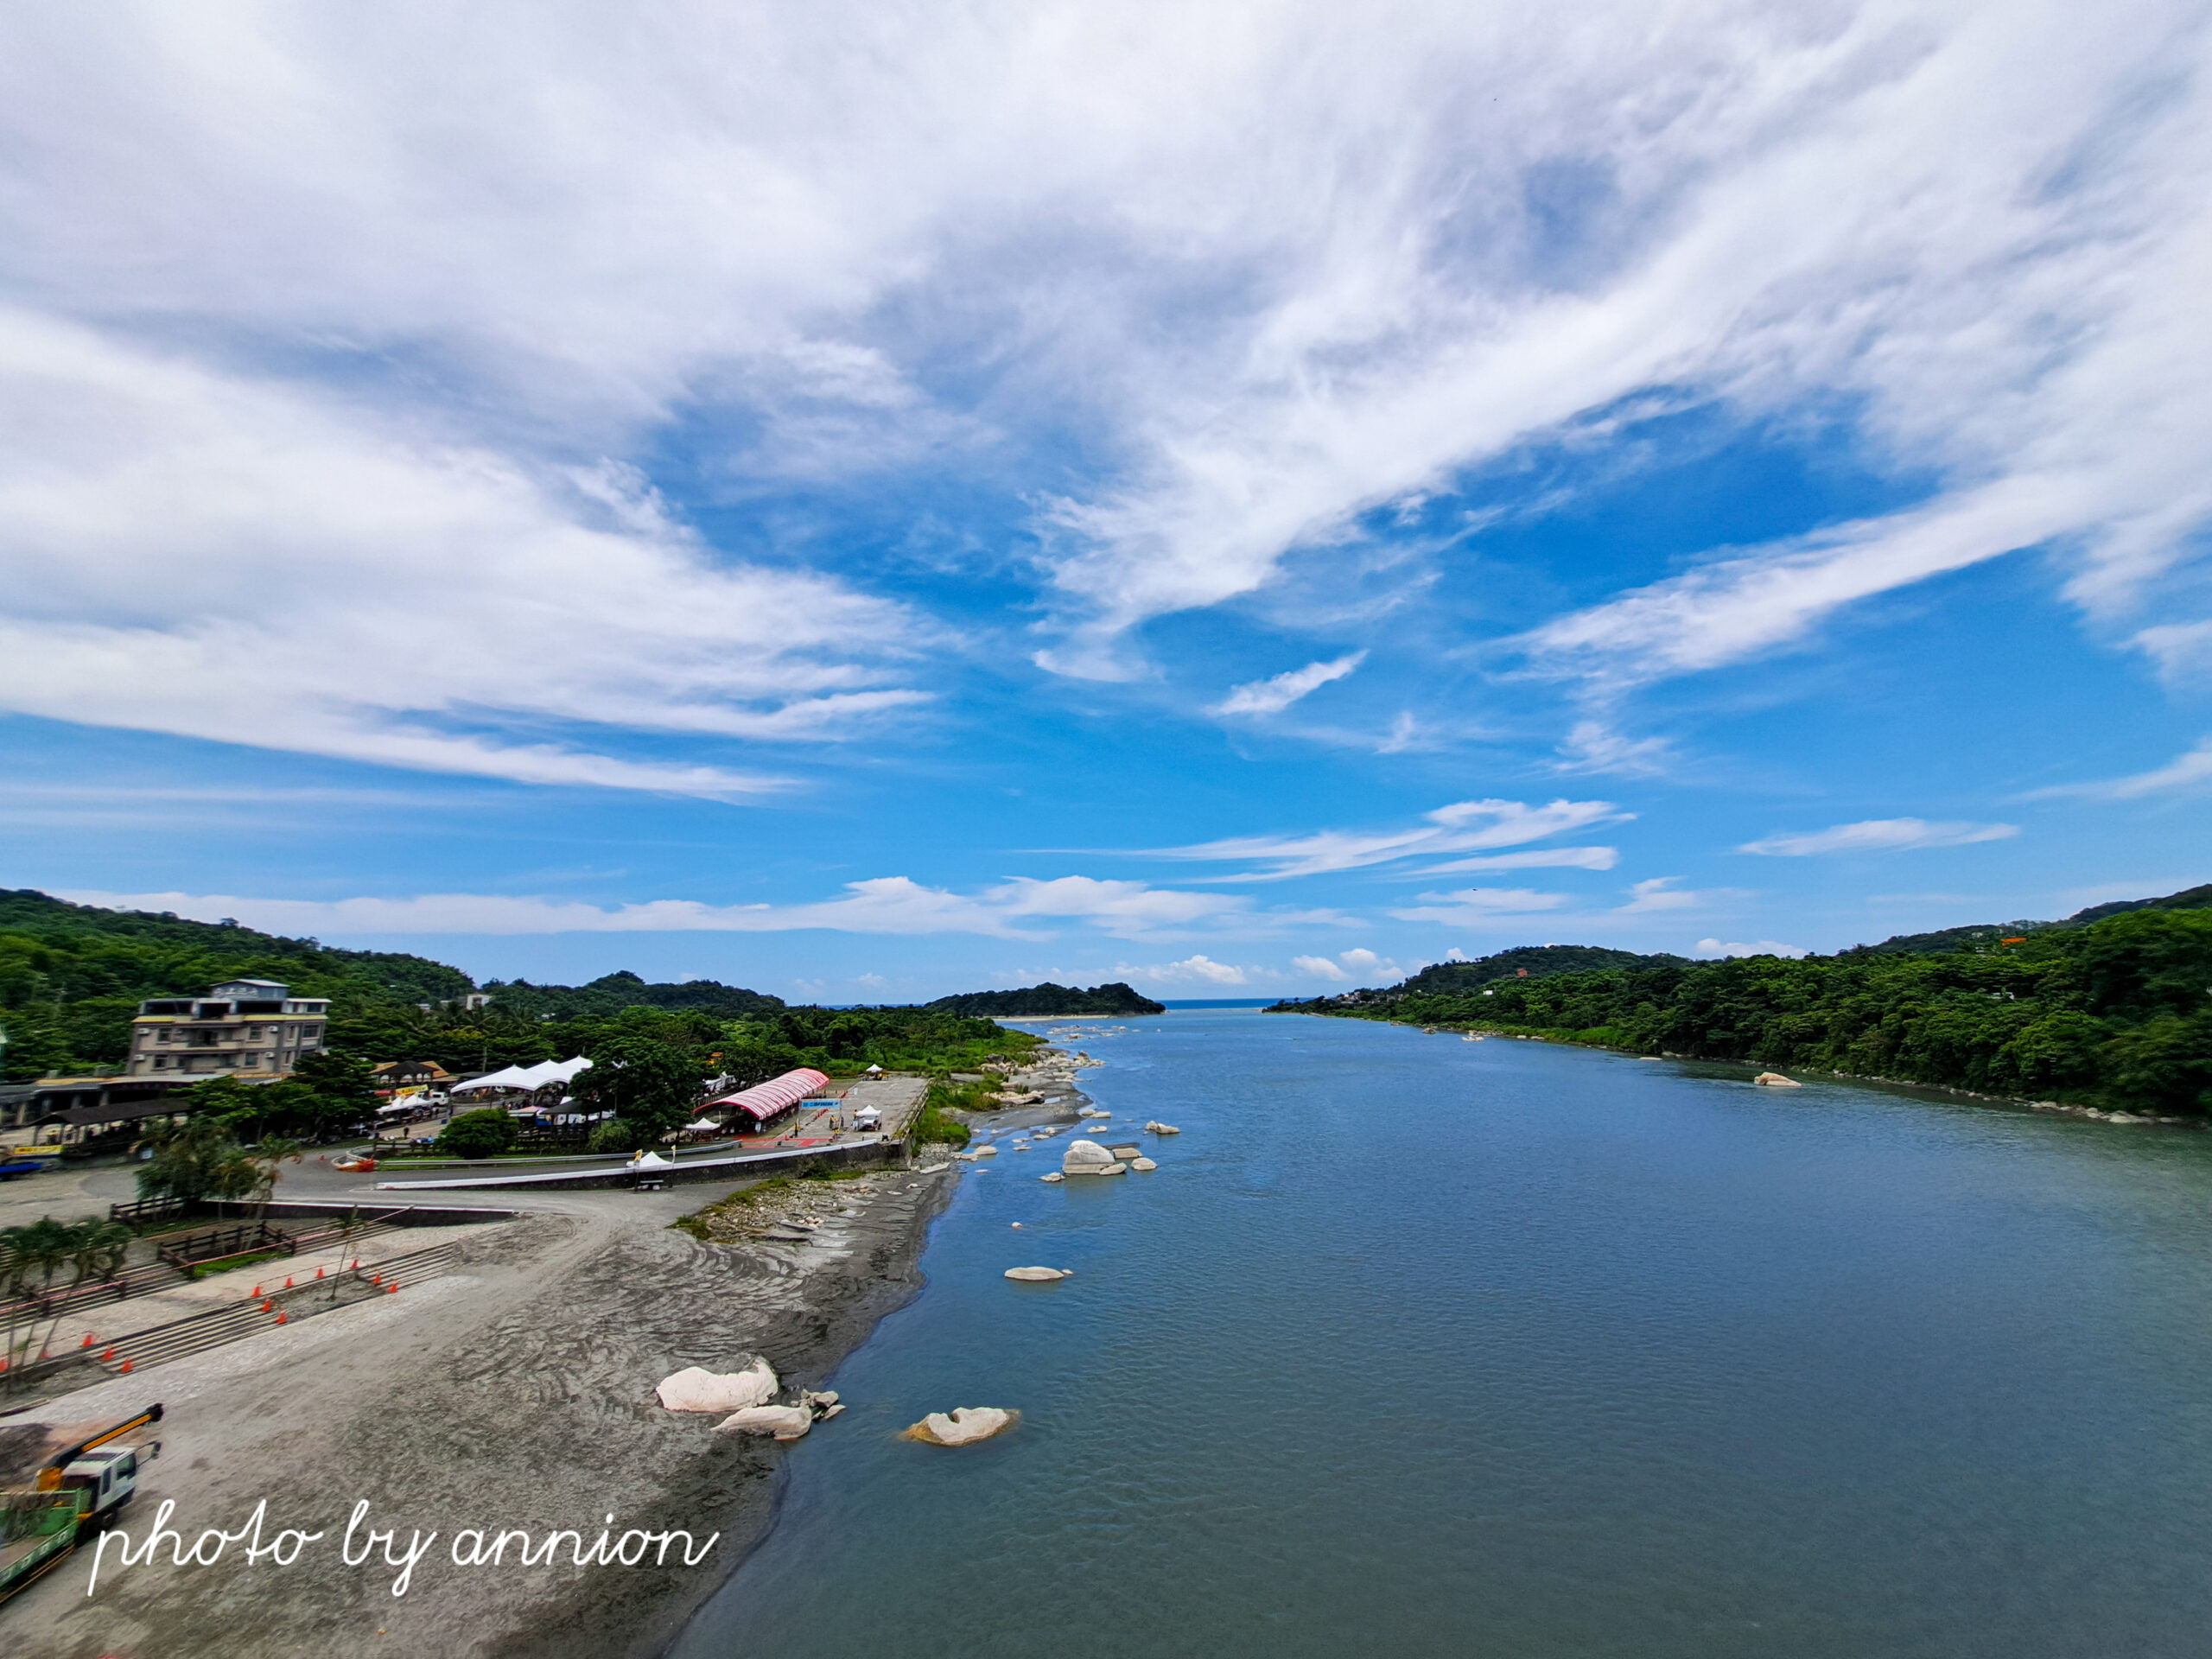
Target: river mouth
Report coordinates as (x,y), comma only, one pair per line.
(1419,1346)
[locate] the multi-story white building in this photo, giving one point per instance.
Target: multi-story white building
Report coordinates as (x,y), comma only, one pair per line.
(250,1027)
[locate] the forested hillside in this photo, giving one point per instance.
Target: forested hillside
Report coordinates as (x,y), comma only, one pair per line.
(612,993)
(2114,1012)
(72,976)
(1040,1002)
(1527,961)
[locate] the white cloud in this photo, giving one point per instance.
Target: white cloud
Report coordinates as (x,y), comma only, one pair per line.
(1461,827)
(888,904)
(2186,770)
(1976,224)
(1191,969)
(1478,904)
(1880,836)
(197,552)
(1659,893)
(1554,858)
(1280,262)
(1595,746)
(1759,948)
(1273,695)
(1319,968)
(2182,651)
(1374,969)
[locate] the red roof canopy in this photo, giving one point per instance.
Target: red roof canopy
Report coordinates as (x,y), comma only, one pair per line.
(777,1095)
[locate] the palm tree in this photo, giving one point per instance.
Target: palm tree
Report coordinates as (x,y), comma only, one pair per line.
(94,1250)
(264,1157)
(33,1256)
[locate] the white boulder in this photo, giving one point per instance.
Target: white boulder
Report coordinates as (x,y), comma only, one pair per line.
(696,1389)
(1775,1080)
(1143,1166)
(1055,1177)
(1163,1128)
(1086,1158)
(780,1422)
(962,1426)
(1039,1275)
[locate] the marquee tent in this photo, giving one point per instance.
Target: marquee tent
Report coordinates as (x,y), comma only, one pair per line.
(775,1096)
(541,1075)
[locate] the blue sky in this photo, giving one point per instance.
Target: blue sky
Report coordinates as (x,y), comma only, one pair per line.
(1244,502)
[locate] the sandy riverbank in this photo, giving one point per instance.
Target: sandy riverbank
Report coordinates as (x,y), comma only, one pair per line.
(514,1394)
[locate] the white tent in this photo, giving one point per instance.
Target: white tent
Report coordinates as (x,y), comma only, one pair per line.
(702,1127)
(546,1072)
(651,1161)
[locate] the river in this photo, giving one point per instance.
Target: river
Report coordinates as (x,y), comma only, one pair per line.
(1419,1346)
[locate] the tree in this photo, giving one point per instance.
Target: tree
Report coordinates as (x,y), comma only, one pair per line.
(196,1160)
(264,1159)
(344,1090)
(644,1081)
(482,1133)
(32,1257)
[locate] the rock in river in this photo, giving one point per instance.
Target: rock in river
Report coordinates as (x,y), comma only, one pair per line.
(1143,1166)
(1088,1158)
(784,1423)
(696,1389)
(964,1427)
(1775,1080)
(1039,1275)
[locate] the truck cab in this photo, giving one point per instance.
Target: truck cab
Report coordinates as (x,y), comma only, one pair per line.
(106,1479)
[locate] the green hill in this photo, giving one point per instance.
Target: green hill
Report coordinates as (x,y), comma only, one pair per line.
(1036,1001)
(1527,961)
(2111,1007)
(612,993)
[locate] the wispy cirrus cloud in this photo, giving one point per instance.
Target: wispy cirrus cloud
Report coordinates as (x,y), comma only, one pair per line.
(1880,836)
(339,582)
(1473,905)
(2189,770)
(1277,272)
(1461,827)
(1019,909)
(1549,858)
(1272,696)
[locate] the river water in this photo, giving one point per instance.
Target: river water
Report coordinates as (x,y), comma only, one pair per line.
(1418,1346)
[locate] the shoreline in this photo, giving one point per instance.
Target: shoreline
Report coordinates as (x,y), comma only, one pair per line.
(515,1392)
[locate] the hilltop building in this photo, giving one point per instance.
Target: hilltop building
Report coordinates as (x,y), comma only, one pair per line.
(253,1028)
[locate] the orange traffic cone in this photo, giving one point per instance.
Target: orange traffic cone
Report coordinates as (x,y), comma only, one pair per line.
(108,1355)
(257,1290)
(87,1342)
(281,1317)
(288,1282)
(124,1367)
(266,1305)
(392,1289)
(318,1273)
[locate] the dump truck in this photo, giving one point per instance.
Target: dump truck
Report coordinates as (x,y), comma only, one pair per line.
(61,1484)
